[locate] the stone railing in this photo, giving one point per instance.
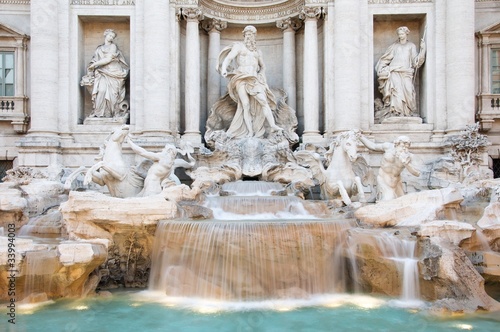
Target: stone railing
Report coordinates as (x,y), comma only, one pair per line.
(15,110)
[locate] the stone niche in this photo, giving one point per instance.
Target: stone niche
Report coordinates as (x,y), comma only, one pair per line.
(90,35)
(384,35)
(270,43)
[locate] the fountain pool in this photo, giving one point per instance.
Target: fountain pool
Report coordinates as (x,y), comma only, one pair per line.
(138,311)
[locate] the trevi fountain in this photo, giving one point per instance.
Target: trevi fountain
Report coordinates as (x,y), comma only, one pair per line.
(258,221)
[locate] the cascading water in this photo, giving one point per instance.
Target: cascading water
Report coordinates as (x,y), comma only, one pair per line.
(402,251)
(40,268)
(291,257)
(253,200)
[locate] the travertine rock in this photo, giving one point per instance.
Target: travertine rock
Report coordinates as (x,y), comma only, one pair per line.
(128,226)
(54,271)
(449,274)
(451,230)
(410,210)
(490,224)
(18,202)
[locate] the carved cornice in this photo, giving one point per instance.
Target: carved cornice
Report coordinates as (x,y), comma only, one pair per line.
(213,24)
(102,2)
(251,12)
(289,23)
(15,2)
(391,2)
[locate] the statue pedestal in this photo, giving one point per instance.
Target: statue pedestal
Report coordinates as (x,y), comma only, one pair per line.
(402,120)
(105,121)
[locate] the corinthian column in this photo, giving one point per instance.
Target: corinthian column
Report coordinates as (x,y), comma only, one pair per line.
(193,76)
(213,27)
(289,26)
(311,75)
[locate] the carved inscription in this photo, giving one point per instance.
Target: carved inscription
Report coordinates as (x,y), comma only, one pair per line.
(103,2)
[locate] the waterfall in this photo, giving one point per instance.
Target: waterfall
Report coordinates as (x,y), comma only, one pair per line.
(251,188)
(253,200)
(47,226)
(402,252)
(251,260)
(40,267)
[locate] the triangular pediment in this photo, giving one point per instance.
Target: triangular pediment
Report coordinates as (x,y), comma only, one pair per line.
(494,28)
(9,32)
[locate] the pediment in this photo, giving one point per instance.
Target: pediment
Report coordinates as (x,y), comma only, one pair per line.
(9,32)
(492,29)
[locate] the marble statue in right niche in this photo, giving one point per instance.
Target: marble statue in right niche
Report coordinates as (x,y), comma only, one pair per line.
(396,70)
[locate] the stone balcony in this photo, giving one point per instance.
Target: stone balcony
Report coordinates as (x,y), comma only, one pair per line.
(15,110)
(489,110)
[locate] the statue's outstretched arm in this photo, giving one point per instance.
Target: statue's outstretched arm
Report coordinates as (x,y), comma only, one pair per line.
(142,152)
(412,169)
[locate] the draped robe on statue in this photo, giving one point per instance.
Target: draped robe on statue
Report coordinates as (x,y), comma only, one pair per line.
(109,84)
(395,71)
(254,85)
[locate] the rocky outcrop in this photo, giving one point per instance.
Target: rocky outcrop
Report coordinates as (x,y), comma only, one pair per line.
(127,227)
(490,225)
(451,230)
(449,277)
(412,209)
(44,271)
(446,275)
(19,202)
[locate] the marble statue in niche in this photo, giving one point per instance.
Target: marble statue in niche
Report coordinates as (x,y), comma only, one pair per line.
(105,80)
(251,125)
(396,70)
(247,87)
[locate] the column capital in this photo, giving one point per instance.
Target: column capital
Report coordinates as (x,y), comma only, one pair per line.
(213,25)
(289,24)
(311,13)
(191,14)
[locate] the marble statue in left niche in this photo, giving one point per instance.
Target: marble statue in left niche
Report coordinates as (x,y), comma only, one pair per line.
(105,80)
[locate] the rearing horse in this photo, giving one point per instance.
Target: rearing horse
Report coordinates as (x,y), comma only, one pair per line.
(112,171)
(338,179)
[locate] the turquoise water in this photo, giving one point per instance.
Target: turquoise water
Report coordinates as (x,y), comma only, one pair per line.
(138,311)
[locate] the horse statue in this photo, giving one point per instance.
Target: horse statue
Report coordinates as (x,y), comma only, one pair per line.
(339,178)
(112,170)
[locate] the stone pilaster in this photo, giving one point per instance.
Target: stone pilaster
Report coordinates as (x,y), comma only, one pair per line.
(20,65)
(44,67)
(289,26)
(310,15)
(347,64)
(193,76)
(213,27)
(156,113)
(41,147)
(328,71)
(460,77)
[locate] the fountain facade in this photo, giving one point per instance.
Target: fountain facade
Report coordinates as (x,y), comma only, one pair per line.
(127,218)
